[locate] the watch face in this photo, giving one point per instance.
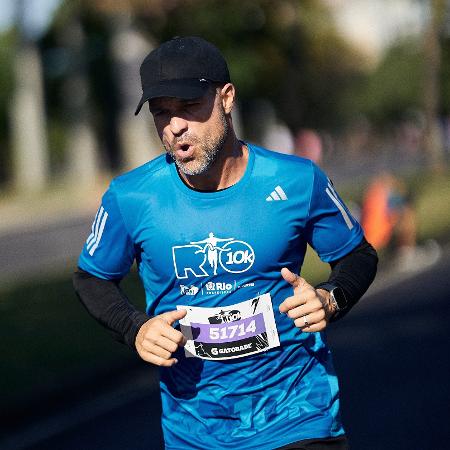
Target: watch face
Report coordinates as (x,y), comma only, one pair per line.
(339,296)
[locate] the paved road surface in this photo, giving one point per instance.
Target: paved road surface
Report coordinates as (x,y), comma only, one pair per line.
(392,356)
(55,246)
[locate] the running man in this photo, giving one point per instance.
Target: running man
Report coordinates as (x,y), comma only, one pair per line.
(268,381)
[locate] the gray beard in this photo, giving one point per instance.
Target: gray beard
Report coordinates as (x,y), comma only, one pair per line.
(210,149)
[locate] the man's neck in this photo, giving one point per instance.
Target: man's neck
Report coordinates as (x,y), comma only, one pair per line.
(226,171)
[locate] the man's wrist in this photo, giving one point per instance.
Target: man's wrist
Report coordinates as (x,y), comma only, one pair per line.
(330,309)
(138,322)
(337,299)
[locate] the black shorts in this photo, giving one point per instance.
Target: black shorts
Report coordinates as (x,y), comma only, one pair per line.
(335,443)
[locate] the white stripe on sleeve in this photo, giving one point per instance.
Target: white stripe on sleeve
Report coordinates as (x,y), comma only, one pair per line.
(100,233)
(97,225)
(92,235)
(341,208)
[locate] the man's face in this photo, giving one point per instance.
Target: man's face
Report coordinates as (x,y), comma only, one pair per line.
(192,131)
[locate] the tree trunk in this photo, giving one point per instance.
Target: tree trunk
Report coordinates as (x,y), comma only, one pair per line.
(138,137)
(433,142)
(29,138)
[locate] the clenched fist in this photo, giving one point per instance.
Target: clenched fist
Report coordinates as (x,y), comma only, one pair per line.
(309,308)
(157,340)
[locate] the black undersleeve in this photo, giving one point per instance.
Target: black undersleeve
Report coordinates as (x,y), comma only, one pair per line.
(353,273)
(108,304)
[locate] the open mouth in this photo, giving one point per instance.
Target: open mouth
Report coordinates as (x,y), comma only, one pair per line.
(184,151)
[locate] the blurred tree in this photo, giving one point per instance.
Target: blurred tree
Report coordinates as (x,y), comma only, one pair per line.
(7,45)
(139,141)
(445,63)
(81,143)
(396,84)
(80,86)
(286,51)
(413,76)
(433,145)
(27,112)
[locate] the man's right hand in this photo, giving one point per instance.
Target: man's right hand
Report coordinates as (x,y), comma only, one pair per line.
(157,340)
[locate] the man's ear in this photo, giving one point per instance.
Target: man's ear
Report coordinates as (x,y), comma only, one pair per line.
(227,95)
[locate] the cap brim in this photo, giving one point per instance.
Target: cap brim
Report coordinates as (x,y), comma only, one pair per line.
(184,89)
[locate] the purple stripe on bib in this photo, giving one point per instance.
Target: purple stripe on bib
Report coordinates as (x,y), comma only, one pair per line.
(229,331)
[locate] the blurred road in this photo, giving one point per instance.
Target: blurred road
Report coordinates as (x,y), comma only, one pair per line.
(393,360)
(54,246)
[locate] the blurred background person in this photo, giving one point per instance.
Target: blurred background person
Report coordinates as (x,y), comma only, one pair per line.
(387,211)
(308,144)
(389,220)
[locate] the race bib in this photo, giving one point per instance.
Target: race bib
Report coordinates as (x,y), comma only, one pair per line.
(234,331)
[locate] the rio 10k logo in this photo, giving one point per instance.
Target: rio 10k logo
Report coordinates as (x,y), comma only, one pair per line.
(208,256)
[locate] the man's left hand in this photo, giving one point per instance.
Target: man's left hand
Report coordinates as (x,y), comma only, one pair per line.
(309,308)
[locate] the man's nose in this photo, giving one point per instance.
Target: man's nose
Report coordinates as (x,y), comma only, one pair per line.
(178,125)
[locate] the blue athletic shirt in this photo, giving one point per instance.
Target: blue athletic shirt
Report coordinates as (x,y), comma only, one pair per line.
(281,203)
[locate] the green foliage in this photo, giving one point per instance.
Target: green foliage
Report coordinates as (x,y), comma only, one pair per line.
(432,194)
(396,85)
(57,141)
(7,42)
(445,76)
(285,51)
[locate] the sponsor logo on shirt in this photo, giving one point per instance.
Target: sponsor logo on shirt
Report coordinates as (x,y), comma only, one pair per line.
(246,285)
(212,255)
(188,290)
(218,288)
(277,195)
(213,288)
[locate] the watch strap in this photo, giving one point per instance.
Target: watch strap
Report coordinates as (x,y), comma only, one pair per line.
(339,303)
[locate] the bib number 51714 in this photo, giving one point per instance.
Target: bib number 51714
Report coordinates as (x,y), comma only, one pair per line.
(230,331)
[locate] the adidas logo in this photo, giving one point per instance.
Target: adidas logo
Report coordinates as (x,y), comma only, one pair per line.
(277,194)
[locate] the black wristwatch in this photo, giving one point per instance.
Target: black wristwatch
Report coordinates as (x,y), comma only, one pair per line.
(337,295)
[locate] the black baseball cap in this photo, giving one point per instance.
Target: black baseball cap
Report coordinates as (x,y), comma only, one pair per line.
(181,68)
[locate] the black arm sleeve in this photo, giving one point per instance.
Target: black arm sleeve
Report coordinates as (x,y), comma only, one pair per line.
(353,273)
(107,303)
